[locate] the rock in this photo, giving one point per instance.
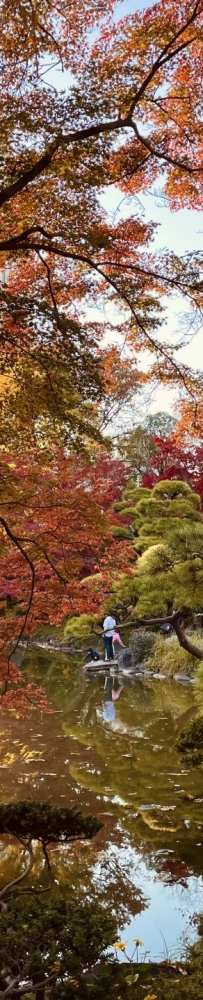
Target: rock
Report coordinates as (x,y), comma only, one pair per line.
(182,678)
(125,660)
(159,677)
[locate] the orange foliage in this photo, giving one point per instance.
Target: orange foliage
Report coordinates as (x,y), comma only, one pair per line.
(131,113)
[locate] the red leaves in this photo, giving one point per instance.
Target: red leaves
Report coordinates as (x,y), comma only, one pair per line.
(175,461)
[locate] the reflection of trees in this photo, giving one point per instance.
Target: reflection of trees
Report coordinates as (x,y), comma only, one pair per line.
(172,870)
(117,776)
(116,883)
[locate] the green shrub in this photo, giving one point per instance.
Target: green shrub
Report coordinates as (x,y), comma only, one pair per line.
(41,938)
(170,658)
(32,820)
(141,644)
(80,626)
(121,532)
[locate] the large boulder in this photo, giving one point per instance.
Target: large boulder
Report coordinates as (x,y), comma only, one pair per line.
(141,644)
(125,660)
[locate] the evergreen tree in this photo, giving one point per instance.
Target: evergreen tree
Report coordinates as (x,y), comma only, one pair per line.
(168,532)
(170,569)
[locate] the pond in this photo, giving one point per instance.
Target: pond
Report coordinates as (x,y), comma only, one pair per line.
(109,748)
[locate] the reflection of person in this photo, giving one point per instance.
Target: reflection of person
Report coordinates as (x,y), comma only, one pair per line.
(109,625)
(111,694)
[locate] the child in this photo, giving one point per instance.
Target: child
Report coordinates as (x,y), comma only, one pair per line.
(93,654)
(116,638)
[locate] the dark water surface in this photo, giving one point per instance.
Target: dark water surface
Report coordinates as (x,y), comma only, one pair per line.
(115,758)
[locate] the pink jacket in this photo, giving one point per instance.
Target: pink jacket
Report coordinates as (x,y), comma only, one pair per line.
(116,638)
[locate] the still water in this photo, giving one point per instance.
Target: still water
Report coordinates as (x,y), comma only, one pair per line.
(109,748)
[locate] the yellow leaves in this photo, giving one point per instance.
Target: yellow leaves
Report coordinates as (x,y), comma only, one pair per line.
(9,759)
(8,386)
(138,942)
(150,996)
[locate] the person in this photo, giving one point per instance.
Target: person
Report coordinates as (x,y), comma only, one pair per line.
(116,638)
(93,654)
(166,629)
(109,626)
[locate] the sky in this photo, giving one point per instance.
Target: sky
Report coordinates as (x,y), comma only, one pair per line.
(179,231)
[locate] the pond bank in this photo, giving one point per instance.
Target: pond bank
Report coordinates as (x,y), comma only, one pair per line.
(138,669)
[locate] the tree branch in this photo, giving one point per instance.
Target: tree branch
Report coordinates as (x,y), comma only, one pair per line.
(91,132)
(15,881)
(116,124)
(166,55)
(166,620)
(29,988)
(164,156)
(14,539)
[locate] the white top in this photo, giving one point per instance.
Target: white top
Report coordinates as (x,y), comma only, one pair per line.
(109,625)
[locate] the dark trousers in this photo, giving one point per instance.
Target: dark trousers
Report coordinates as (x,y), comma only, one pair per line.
(108,646)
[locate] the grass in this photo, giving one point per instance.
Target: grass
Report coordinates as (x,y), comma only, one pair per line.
(169,658)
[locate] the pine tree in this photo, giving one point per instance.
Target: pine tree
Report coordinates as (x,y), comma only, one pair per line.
(170,538)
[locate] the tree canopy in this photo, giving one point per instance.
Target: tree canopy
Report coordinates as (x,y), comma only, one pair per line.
(125,115)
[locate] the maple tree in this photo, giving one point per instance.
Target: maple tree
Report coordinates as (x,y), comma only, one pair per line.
(61,148)
(171,460)
(130,109)
(50,526)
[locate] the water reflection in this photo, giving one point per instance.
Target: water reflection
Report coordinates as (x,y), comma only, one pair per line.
(109,748)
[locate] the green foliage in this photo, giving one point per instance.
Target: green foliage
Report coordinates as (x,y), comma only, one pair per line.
(170,536)
(136,493)
(137,449)
(128,511)
(118,505)
(181,988)
(124,591)
(142,644)
(161,424)
(73,937)
(121,532)
(42,821)
(170,658)
(80,626)
(97,985)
